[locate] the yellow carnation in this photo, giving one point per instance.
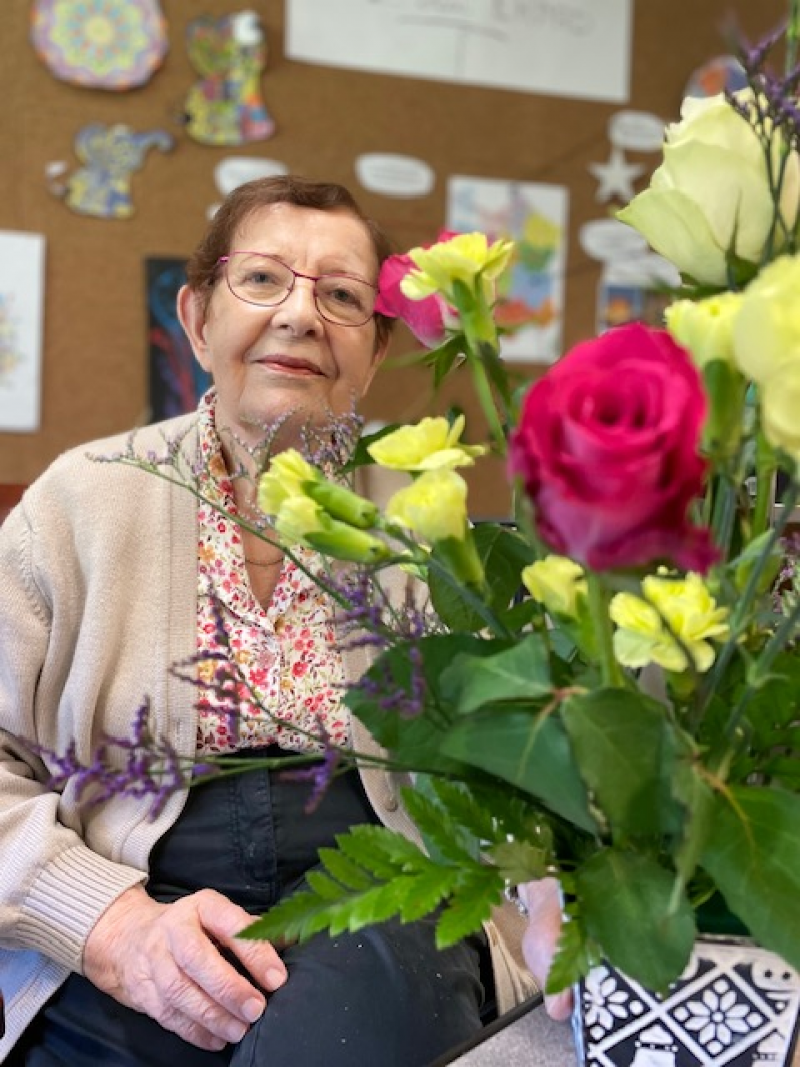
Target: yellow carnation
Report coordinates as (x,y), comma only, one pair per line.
(430,445)
(780,403)
(705,327)
(766,334)
(465,258)
(557,583)
(690,613)
(433,507)
(287,474)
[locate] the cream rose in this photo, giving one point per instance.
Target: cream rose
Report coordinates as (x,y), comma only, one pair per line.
(710,197)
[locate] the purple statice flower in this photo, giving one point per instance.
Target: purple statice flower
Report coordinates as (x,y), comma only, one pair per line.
(138,766)
(774,104)
(320,773)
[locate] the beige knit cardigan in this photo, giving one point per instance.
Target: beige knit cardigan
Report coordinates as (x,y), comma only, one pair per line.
(97,600)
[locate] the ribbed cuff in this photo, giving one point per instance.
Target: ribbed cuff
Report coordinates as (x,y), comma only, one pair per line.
(66,900)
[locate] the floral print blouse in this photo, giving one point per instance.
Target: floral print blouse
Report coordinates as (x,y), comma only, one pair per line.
(287,674)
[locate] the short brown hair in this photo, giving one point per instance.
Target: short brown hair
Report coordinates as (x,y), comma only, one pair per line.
(201,270)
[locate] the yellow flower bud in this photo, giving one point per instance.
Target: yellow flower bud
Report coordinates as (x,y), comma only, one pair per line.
(302,521)
(557,583)
(430,445)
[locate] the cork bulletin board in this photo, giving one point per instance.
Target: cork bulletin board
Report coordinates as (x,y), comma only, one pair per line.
(95,359)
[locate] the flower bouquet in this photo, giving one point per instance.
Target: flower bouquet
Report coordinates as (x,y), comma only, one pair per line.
(603,689)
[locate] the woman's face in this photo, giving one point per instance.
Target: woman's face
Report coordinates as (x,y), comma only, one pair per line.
(270,362)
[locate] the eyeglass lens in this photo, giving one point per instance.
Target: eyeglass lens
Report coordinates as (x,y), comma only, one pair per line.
(263,280)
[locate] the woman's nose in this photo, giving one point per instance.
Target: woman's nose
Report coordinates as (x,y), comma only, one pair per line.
(299,309)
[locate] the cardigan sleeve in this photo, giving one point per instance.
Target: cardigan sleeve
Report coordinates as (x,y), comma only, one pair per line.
(53,887)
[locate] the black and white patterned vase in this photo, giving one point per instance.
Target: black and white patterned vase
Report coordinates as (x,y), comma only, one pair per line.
(736,1005)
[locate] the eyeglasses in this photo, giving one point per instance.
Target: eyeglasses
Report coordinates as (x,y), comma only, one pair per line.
(265,281)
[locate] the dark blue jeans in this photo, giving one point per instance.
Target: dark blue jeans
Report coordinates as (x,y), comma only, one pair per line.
(385,996)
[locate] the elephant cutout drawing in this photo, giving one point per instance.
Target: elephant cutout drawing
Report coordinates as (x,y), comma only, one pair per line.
(110,155)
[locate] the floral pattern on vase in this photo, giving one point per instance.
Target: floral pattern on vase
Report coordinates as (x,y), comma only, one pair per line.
(736,1004)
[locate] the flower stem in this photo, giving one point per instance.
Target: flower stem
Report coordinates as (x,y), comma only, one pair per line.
(598,609)
(742,610)
(487,402)
(792,35)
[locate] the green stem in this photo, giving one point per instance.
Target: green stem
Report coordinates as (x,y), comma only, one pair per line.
(486,397)
(741,612)
(760,672)
(598,609)
(792,35)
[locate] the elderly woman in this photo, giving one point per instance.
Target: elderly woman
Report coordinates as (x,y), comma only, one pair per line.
(119,931)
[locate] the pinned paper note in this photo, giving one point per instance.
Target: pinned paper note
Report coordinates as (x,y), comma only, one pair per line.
(394,175)
(234,171)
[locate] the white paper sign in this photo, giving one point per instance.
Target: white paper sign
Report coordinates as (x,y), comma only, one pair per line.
(575,48)
(21,301)
(394,175)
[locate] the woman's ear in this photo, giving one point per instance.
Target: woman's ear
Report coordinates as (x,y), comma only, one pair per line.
(192,314)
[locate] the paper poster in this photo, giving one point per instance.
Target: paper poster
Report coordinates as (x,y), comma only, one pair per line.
(21,311)
(531,301)
(177,381)
(574,48)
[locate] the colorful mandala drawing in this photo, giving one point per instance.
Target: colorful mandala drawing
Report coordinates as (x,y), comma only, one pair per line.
(100,44)
(10,354)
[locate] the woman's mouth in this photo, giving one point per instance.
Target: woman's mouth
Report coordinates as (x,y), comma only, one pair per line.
(290,365)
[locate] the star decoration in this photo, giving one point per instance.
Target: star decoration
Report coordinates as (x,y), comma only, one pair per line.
(616,177)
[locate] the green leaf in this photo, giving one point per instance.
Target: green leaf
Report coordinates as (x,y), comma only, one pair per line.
(480,889)
(531,751)
(413,740)
(520,861)
(624,752)
(380,851)
(431,887)
(573,958)
(447,838)
(503,554)
(753,856)
(344,870)
(326,887)
(521,672)
(626,903)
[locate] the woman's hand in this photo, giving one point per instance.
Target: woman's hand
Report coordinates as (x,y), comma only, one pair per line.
(539,941)
(163,960)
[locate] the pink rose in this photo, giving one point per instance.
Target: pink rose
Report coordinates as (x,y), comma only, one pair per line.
(607,448)
(427,319)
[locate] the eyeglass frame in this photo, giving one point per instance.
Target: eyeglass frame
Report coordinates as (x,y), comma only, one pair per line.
(297,274)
